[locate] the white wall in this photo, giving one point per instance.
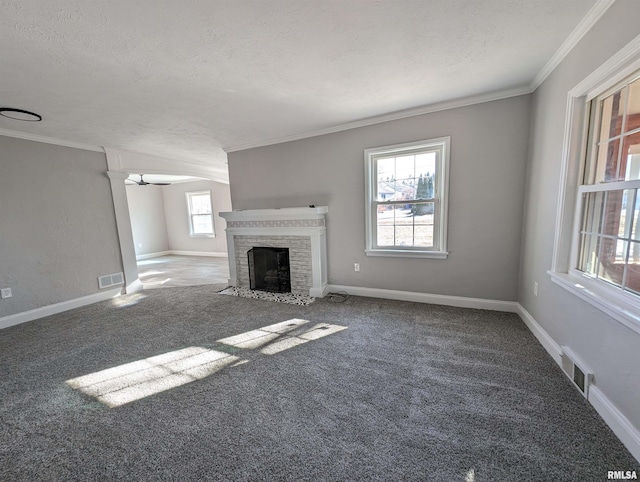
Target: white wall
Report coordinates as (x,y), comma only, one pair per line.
(488,158)
(148,223)
(57,224)
(610,349)
(177,216)
(160,218)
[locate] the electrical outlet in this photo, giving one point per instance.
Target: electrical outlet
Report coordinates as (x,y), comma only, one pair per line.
(5,293)
(356,266)
(535,288)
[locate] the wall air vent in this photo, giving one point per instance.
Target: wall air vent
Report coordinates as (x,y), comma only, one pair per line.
(109,280)
(577,371)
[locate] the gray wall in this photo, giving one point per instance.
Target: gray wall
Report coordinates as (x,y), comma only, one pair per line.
(610,349)
(488,157)
(57,224)
(177,216)
(146,208)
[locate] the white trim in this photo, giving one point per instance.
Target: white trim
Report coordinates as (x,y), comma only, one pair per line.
(440,145)
(125,231)
(447,300)
(614,69)
(317,212)
(137,162)
(427,109)
(189,195)
(275,231)
(319,292)
(617,67)
(617,422)
(134,287)
(597,296)
(548,343)
(55,308)
(396,253)
(158,254)
(586,24)
(50,140)
(212,254)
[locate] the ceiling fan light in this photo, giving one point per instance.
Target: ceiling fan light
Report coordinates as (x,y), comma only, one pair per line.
(19,114)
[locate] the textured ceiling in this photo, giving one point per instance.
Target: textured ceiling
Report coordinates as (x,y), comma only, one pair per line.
(185,79)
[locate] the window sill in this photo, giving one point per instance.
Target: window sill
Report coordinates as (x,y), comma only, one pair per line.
(615,305)
(400,253)
(202,235)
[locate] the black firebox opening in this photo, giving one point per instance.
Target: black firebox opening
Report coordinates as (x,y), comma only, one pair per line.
(269,269)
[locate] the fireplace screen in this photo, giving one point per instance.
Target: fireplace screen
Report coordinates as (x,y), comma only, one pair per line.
(269,269)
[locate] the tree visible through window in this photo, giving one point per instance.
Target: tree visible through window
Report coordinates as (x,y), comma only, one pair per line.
(406,198)
(200,213)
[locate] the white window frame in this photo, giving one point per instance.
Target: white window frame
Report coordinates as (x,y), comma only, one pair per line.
(440,145)
(188,195)
(619,305)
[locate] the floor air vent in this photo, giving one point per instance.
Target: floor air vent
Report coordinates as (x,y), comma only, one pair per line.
(577,371)
(110,280)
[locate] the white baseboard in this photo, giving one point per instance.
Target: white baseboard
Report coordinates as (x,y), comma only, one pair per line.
(617,422)
(152,255)
(214,254)
(621,426)
(36,313)
(134,287)
(458,301)
(319,292)
(543,337)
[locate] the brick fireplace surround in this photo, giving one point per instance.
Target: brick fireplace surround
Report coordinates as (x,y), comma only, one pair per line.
(302,230)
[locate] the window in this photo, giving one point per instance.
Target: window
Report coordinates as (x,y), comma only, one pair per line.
(608,244)
(200,213)
(596,252)
(406,199)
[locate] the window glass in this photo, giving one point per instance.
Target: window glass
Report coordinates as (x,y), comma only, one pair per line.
(200,213)
(407,197)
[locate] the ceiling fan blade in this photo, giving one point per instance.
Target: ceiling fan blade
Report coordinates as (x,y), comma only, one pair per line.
(142,182)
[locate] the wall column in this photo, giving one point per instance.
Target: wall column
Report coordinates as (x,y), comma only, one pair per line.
(125,233)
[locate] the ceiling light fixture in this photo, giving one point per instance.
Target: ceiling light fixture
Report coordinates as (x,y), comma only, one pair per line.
(19,114)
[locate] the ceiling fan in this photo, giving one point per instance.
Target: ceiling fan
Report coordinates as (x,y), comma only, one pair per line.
(142,182)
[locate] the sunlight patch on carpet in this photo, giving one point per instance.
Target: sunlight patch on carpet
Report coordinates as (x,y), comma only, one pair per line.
(260,337)
(318,331)
(132,381)
(122,301)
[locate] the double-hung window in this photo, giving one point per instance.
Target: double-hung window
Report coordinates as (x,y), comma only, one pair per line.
(200,213)
(406,199)
(609,234)
(604,258)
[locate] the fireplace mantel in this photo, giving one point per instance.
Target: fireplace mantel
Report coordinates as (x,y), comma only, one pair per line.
(304,227)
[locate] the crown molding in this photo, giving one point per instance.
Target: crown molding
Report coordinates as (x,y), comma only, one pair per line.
(586,24)
(50,140)
(427,109)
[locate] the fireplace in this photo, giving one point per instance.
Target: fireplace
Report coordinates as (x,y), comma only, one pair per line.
(301,230)
(269,269)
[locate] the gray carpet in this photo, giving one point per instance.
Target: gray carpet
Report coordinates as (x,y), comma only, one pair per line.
(406,392)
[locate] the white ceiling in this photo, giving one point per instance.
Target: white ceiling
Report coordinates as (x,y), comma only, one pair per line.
(187,79)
